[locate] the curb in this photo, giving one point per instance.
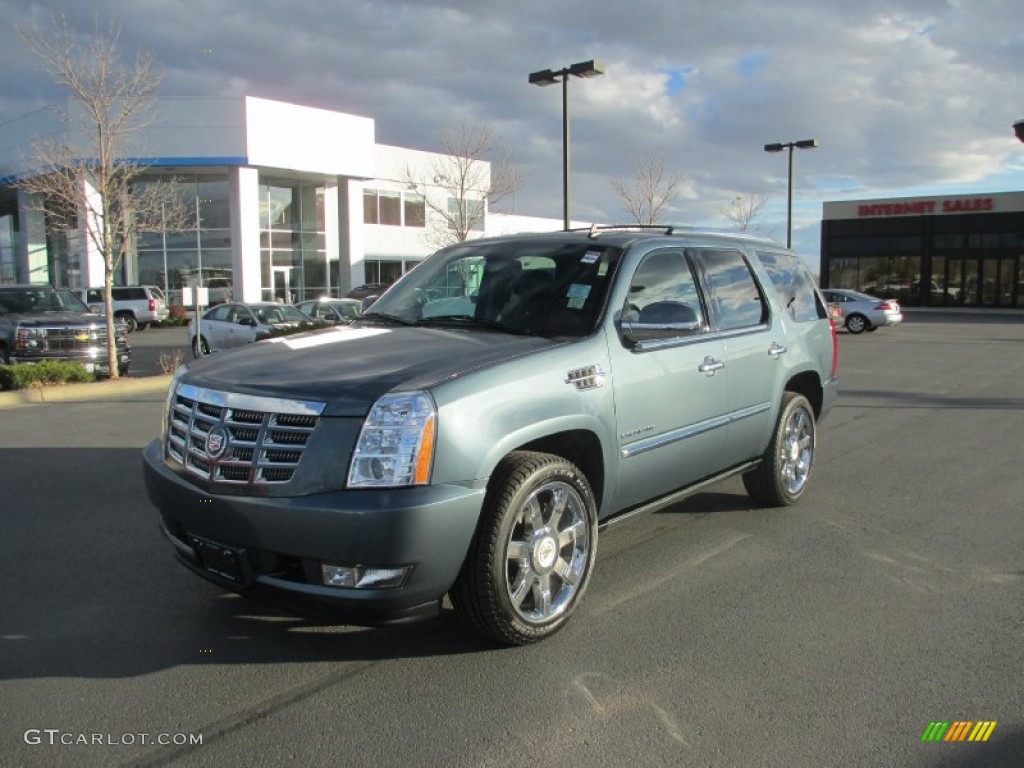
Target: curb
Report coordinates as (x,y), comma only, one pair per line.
(98,390)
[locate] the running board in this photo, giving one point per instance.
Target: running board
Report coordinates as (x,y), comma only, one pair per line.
(675,496)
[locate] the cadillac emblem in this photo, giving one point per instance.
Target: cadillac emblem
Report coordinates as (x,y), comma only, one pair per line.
(216,442)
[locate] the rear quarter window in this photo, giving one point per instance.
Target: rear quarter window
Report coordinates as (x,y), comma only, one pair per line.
(793,284)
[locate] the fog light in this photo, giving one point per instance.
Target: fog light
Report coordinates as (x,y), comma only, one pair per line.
(363,577)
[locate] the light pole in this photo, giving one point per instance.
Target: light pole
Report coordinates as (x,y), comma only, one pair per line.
(1018,128)
(590,68)
(802,144)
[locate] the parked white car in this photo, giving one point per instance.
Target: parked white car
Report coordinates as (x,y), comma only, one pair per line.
(227,326)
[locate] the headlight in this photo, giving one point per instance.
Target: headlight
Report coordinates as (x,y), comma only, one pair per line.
(396,443)
(28,338)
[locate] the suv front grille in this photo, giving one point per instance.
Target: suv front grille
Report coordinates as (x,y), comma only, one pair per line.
(238,439)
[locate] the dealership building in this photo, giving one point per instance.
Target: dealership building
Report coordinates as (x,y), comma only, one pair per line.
(944,251)
(290,202)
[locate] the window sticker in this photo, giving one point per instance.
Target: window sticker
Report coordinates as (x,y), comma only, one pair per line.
(577,295)
(590,257)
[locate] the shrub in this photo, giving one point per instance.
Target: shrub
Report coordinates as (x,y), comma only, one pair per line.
(42,374)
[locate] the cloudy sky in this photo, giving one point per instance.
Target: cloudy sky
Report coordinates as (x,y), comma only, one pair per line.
(906,97)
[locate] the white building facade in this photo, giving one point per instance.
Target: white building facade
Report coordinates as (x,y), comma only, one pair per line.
(291,202)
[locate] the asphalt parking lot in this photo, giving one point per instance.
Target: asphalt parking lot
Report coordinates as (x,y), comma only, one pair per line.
(713,634)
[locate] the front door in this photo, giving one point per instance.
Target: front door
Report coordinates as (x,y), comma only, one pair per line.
(283,285)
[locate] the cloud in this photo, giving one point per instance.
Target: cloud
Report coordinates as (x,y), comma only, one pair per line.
(902,94)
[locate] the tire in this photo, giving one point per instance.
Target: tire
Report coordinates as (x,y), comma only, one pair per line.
(533,551)
(5,355)
(871,328)
(130,322)
(142,327)
(785,469)
(205,350)
(857,323)
(122,370)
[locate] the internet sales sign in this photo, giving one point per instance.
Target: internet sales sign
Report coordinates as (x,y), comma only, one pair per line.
(927,207)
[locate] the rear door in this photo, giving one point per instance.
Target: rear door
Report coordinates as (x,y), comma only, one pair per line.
(670,391)
(754,350)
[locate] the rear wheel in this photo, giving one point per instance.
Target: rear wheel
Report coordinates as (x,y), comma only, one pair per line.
(856,323)
(533,551)
(129,320)
(5,355)
(782,476)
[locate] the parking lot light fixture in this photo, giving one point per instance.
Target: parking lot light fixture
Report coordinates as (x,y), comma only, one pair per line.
(789,145)
(590,68)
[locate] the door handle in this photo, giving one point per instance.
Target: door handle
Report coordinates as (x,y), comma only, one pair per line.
(710,365)
(776,350)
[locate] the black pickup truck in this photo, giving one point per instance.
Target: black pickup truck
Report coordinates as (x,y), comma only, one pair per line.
(38,322)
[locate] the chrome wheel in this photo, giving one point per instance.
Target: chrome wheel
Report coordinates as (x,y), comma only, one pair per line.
(547,552)
(797,451)
(532,554)
(785,468)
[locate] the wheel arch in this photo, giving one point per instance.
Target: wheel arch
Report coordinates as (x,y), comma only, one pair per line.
(808,384)
(580,446)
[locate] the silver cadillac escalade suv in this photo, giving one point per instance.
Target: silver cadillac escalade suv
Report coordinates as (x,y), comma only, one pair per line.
(496,408)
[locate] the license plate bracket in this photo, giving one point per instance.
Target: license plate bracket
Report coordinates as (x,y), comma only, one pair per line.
(219,559)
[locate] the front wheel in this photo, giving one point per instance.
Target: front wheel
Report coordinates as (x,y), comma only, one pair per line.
(785,469)
(200,347)
(856,323)
(533,551)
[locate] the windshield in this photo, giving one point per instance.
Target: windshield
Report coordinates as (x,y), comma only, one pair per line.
(31,301)
(279,314)
(541,286)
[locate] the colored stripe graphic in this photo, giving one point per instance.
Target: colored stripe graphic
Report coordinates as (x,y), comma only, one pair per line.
(982,730)
(958,730)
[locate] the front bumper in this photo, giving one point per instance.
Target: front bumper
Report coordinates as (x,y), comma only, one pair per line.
(94,360)
(279,544)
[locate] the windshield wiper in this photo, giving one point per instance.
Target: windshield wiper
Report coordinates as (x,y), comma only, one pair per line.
(494,324)
(386,316)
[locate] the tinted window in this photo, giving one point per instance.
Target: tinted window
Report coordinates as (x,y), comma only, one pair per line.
(793,284)
(663,292)
(733,291)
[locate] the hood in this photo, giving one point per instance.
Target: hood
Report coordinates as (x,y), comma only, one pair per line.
(349,367)
(58,319)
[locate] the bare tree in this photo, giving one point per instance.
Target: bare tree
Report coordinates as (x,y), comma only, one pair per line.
(744,209)
(86,175)
(474,174)
(651,190)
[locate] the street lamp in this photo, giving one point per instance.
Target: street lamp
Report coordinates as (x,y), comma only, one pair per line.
(803,144)
(1018,128)
(590,68)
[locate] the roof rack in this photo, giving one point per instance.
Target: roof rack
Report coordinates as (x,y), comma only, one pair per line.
(669,229)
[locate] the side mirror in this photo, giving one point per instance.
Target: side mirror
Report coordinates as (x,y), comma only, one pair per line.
(660,320)
(247,321)
(367,303)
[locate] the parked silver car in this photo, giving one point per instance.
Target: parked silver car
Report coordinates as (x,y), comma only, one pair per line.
(227,326)
(331,311)
(862,312)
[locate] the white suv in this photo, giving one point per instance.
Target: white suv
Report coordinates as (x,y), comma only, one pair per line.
(137,305)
